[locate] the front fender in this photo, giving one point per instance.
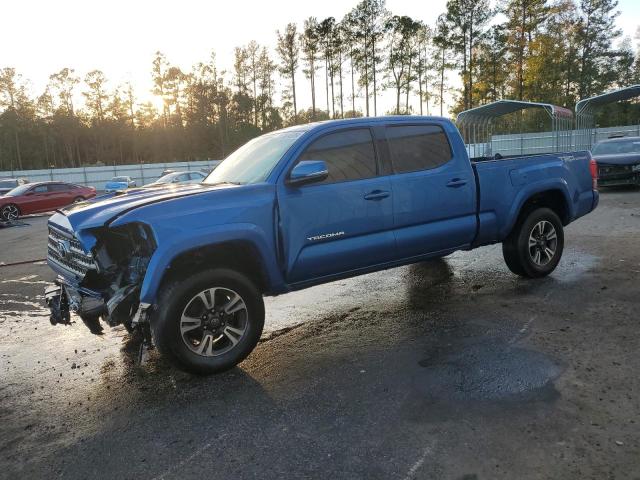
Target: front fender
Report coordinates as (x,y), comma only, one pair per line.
(187,240)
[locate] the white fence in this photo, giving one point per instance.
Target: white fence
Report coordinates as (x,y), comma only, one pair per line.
(543,142)
(98,176)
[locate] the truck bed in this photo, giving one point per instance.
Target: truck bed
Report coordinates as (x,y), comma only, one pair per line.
(504,184)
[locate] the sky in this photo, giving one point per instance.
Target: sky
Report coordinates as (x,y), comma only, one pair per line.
(120,37)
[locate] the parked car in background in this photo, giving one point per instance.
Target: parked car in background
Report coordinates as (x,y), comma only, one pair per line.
(41,197)
(618,161)
(8,184)
(119,183)
(179,177)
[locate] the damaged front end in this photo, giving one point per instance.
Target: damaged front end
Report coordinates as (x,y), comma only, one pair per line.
(99,278)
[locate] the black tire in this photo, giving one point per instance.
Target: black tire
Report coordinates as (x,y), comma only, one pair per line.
(521,258)
(178,295)
(78,199)
(10,212)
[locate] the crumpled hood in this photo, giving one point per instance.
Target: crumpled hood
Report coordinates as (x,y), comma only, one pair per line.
(104,208)
(618,159)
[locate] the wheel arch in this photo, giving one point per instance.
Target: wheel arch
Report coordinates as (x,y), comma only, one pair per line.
(554,198)
(239,255)
(246,250)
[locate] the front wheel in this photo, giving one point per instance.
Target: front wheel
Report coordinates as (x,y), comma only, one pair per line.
(9,212)
(210,321)
(534,247)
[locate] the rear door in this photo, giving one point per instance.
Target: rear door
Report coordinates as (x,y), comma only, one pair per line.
(343,223)
(60,195)
(433,191)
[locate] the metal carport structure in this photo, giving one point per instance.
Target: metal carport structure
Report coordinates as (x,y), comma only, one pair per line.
(585,113)
(476,125)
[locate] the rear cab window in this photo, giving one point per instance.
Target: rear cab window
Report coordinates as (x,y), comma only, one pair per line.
(417,147)
(349,155)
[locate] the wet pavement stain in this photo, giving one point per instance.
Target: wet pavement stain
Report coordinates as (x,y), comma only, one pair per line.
(490,370)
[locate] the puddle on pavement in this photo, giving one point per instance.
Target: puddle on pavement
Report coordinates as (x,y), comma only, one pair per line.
(467,372)
(491,370)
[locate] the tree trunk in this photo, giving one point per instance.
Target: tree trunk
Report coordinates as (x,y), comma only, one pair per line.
(293,87)
(353,83)
(408,87)
(442,82)
(366,74)
(326,80)
(340,74)
(313,91)
(373,66)
(18,153)
(420,83)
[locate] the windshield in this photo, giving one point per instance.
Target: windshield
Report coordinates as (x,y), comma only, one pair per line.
(18,191)
(617,147)
(254,161)
(167,178)
(8,183)
(119,179)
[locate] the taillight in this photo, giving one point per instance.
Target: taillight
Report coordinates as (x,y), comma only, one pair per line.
(593,167)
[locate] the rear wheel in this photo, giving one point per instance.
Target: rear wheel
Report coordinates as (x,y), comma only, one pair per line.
(10,212)
(534,247)
(209,322)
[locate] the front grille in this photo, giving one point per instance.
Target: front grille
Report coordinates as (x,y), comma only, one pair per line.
(66,251)
(607,170)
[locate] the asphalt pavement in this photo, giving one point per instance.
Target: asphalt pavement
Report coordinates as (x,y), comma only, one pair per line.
(450,369)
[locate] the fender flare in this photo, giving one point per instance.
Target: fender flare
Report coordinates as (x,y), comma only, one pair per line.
(558,185)
(185,241)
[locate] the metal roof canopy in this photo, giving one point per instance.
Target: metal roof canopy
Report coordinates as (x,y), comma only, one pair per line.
(505,107)
(585,112)
(476,124)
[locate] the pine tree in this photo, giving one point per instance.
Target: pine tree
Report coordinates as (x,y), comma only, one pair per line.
(288,50)
(596,33)
(309,43)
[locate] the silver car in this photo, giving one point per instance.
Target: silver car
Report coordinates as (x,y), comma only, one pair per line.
(179,177)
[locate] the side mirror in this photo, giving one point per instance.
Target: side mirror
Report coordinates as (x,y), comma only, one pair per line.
(308,171)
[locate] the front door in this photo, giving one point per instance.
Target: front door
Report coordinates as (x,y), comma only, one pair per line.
(343,223)
(35,200)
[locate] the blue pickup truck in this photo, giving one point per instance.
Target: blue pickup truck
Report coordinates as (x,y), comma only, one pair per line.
(188,266)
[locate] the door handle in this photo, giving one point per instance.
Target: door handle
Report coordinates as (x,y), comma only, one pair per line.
(376,195)
(456,182)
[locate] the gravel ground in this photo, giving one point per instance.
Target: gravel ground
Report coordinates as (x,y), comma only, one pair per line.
(451,369)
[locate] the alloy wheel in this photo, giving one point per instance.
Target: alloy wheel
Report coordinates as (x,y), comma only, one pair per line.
(214,321)
(543,243)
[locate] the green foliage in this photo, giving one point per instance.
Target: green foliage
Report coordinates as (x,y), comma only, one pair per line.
(555,51)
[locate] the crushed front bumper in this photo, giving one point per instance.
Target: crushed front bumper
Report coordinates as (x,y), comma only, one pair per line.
(65,297)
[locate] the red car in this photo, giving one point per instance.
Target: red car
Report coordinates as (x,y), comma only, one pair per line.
(41,197)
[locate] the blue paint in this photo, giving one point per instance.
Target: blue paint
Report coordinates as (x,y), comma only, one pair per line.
(310,234)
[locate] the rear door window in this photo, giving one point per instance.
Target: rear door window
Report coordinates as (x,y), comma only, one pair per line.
(349,155)
(417,147)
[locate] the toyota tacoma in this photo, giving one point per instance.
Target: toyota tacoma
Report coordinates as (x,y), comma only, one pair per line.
(188,266)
